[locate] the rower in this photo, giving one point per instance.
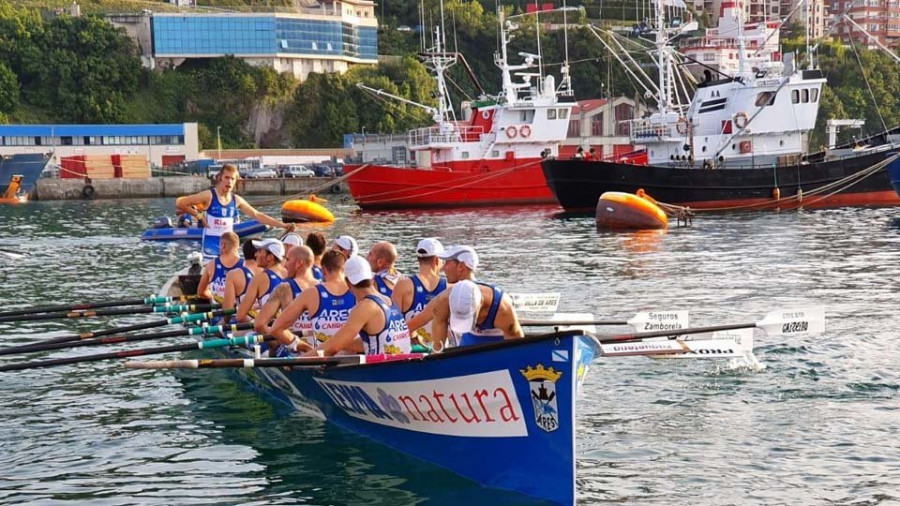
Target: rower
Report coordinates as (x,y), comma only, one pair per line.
(298,262)
(269,255)
(460,263)
(222,207)
(375,318)
(212,282)
(346,245)
(237,281)
(473,313)
(290,240)
(316,242)
(381,259)
(329,303)
(413,293)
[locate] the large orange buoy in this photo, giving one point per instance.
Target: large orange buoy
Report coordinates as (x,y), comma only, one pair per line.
(303,210)
(626,210)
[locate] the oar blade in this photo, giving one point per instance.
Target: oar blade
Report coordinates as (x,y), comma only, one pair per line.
(656,321)
(803,321)
(729,344)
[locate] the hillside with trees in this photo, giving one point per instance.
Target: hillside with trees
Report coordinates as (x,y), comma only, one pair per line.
(60,69)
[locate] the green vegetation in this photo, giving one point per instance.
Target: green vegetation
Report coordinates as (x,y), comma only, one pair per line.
(81,70)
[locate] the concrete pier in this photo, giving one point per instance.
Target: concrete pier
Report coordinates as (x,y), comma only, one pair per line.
(170,187)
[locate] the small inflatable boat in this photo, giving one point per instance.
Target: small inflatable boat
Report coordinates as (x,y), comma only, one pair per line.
(306,211)
(169,233)
(629,211)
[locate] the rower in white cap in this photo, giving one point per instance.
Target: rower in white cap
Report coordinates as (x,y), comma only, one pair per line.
(346,245)
(269,256)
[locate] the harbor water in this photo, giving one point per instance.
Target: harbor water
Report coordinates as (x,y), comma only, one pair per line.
(816,425)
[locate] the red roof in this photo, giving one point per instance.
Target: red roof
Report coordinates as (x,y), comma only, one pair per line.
(588,105)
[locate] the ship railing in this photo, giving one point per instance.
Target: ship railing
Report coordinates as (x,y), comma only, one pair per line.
(433,135)
(643,129)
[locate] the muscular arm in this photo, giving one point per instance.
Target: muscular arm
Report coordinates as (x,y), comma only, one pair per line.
(402,295)
(203,288)
(256,287)
(440,325)
(260,216)
(356,320)
(422,319)
(200,200)
(307,301)
(510,321)
(280,298)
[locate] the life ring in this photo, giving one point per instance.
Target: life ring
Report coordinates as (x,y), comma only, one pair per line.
(511,132)
(681,126)
(335,188)
(740,120)
(485,114)
(525,130)
(88,191)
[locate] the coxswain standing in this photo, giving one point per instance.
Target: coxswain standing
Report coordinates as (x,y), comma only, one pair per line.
(320,311)
(374,318)
(212,282)
(413,293)
(269,256)
(222,206)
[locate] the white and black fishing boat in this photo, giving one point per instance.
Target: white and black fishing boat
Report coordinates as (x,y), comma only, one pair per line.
(739,143)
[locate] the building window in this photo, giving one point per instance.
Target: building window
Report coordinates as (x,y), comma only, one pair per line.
(597,124)
(574,129)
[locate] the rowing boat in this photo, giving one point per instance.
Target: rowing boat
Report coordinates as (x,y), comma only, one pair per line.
(502,415)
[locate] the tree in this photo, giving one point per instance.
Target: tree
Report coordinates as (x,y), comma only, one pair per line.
(9,89)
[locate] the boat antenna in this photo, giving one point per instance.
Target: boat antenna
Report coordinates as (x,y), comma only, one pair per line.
(537,34)
(566,78)
(662,97)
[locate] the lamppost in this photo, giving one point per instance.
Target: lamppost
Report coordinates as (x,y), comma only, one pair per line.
(219,139)
(364,135)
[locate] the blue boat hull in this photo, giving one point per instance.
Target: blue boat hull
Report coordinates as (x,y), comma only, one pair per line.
(894,175)
(502,415)
(28,165)
(242,229)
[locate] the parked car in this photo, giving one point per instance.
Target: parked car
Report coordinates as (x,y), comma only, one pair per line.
(297,171)
(263,172)
(323,170)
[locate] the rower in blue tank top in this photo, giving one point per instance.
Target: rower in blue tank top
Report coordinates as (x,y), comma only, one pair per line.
(381,260)
(332,313)
(222,206)
(212,282)
(269,257)
(486,331)
(317,273)
(374,318)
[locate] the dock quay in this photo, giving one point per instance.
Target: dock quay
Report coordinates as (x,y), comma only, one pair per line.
(170,187)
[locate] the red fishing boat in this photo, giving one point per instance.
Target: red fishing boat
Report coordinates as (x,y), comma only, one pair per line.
(490,157)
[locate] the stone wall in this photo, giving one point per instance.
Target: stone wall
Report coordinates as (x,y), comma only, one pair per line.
(170,187)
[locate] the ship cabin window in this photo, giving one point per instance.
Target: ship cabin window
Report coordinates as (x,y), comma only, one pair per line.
(526,116)
(805,94)
(795,96)
(495,154)
(563,114)
(814,95)
(551,113)
(465,155)
(765,98)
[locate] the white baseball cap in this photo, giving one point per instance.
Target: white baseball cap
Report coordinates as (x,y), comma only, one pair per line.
(348,244)
(357,269)
(273,246)
(465,301)
(464,254)
(292,239)
(429,247)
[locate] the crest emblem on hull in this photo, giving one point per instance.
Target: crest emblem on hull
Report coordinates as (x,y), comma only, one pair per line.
(542,384)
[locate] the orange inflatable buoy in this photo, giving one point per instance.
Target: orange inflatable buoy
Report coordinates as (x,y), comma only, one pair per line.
(629,211)
(302,210)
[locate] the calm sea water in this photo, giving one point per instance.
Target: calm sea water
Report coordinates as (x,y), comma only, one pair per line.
(818,425)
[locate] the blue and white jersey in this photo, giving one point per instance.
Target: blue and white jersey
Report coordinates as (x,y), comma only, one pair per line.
(485,332)
(421,298)
(393,338)
(219,219)
(274,281)
(317,273)
(217,281)
(331,316)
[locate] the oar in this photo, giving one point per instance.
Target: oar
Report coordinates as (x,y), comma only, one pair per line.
(96,305)
(270,362)
(15,255)
(184,318)
(725,344)
(165,308)
(247,340)
(194,331)
(643,318)
(798,322)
